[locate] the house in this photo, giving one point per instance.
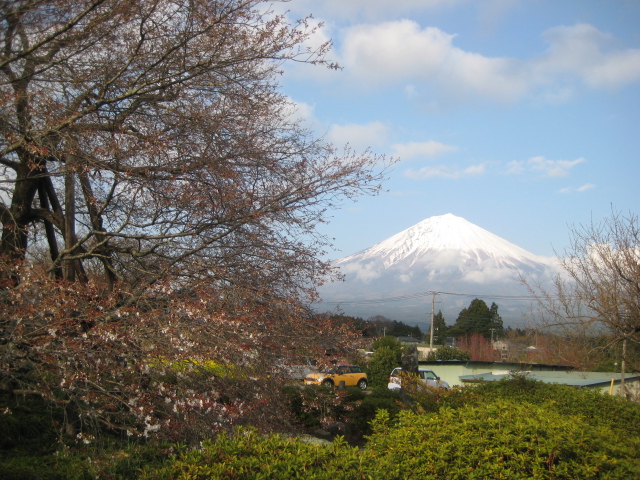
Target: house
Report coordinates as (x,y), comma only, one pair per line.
(451,370)
(502,347)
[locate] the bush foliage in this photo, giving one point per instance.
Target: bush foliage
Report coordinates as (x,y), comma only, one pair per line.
(515,429)
(447,353)
(501,439)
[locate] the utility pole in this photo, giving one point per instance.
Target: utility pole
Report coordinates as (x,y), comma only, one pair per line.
(623,389)
(492,329)
(433,301)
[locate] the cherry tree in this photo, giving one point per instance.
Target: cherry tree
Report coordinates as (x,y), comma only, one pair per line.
(158,200)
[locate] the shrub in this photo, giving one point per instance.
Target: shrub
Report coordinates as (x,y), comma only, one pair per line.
(363,414)
(383,361)
(515,429)
(501,439)
(306,404)
(448,353)
(314,406)
(592,405)
(33,446)
(423,398)
(248,455)
(388,342)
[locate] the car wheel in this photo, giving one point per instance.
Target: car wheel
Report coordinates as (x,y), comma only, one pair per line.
(328,383)
(362,383)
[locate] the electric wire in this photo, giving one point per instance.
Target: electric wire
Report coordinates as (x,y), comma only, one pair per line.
(422,295)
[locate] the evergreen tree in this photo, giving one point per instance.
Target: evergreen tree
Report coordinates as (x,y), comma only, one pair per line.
(495,322)
(384,360)
(388,342)
(478,318)
(387,356)
(439,328)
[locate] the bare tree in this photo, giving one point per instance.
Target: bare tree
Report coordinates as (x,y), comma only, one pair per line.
(598,289)
(166,115)
(158,200)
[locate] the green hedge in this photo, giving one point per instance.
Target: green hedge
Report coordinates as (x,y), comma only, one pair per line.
(511,429)
(503,438)
(593,405)
(311,406)
(248,455)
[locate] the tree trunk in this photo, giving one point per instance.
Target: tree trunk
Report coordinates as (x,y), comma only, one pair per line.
(69,219)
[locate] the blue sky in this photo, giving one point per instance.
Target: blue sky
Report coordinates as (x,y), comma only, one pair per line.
(521,116)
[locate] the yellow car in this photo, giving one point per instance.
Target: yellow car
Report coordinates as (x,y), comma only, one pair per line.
(351,375)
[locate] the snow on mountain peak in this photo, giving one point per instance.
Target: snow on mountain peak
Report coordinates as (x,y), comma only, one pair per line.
(440,254)
(443,233)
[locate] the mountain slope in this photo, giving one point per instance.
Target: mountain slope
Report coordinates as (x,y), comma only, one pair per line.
(443,254)
(445,233)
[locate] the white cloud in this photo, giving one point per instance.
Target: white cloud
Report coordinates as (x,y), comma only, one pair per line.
(586,186)
(553,168)
(515,167)
(484,275)
(583,188)
(404,52)
(406,277)
(445,171)
(474,170)
(422,149)
(584,52)
(363,272)
(358,136)
(410,91)
(543,166)
(300,112)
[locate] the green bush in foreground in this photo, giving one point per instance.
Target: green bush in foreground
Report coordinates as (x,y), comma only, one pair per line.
(512,429)
(502,439)
(313,406)
(593,405)
(248,455)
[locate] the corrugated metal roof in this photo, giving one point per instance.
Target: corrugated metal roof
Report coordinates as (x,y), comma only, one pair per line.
(519,366)
(576,379)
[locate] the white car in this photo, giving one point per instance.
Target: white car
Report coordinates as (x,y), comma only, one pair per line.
(427,376)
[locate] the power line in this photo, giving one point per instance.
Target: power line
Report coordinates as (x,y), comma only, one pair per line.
(505,297)
(426,294)
(379,300)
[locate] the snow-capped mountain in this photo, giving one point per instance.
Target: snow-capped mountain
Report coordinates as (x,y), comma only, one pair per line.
(440,254)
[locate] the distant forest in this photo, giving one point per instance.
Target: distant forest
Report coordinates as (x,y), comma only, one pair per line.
(379,326)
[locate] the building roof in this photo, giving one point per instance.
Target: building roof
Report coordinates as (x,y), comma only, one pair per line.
(408,339)
(576,379)
(515,366)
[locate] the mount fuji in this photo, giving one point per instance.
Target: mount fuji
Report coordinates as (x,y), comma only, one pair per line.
(444,254)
